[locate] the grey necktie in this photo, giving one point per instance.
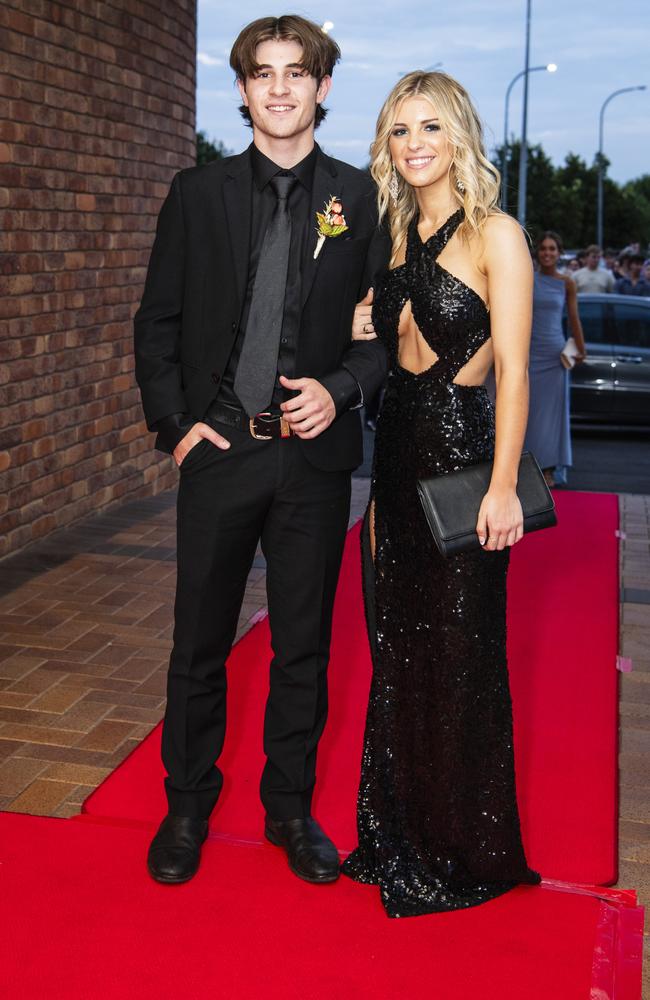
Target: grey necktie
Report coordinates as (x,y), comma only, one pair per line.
(258,363)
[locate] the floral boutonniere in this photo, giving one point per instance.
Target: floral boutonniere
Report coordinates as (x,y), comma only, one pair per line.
(331,222)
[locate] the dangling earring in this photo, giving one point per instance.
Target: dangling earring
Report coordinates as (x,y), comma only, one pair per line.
(460,185)
(393,187)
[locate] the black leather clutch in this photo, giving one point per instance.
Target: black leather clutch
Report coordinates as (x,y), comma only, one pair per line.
(451,503)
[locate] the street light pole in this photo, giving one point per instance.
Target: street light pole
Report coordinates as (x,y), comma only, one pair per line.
(601,123)
(549,68)
(523,155)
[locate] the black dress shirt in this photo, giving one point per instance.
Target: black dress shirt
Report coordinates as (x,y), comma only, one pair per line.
(174,427)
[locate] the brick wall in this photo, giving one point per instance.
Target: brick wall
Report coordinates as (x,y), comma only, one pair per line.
(97,104)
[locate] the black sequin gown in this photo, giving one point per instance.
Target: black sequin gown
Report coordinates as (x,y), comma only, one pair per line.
(437,811)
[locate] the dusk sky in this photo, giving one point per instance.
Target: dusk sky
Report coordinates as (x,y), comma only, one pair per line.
(598,46)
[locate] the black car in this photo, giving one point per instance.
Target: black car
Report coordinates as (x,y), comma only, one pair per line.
(613,384)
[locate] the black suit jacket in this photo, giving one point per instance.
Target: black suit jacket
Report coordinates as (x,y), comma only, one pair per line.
(196,282)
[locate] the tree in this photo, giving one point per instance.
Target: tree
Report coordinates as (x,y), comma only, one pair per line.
(206,150)
(564,199)
(637,194)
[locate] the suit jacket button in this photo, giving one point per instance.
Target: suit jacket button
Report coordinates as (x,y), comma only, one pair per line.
(216,377)
(233,327)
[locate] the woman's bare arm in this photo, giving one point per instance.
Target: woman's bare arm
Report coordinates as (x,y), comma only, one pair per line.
(507,264)
(574,318)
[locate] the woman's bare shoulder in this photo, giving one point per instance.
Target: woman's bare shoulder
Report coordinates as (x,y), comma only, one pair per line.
(502,238)
(501,227)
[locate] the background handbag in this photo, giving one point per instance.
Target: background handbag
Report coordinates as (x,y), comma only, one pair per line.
(451,503)
(569,353)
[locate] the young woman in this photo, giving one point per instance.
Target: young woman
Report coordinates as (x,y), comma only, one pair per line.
(437,812)
(548,434)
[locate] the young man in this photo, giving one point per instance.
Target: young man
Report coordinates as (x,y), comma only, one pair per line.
(633,281)
(592,277)
(248,373)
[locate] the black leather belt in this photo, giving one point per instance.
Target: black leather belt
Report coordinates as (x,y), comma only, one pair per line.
(263,426)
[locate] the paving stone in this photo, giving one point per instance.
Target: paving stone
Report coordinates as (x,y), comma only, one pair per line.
(13,699)
(70,755)
(83,715)
(91,642)
(103,683)
(632,710)
(73,669)
(17,773)
(7,651)
(127,713)
(27,717)
(107,736)
(156,684)
(634,833)
(135,700)
(79,795)
(136,669)
(635,687)
(114,655)
(58,699)
(122,753)
(41,798)
(36,734)
(19,666)
(81,774)
(9,747)
(67,809)
(37,681)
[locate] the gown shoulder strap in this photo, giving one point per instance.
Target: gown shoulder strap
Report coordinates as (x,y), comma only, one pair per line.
(434,246)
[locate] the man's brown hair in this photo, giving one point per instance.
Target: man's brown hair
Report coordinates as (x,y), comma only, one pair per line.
(320,53)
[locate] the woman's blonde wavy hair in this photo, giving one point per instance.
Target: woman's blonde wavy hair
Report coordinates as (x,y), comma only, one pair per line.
(462,126)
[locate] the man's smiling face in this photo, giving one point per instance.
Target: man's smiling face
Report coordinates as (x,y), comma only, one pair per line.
(281,96)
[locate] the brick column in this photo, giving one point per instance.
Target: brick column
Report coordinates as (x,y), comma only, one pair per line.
(97,113)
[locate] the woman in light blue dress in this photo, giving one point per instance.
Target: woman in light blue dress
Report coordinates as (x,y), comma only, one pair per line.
(548,435)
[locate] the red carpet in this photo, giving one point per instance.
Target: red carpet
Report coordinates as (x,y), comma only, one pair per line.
(563,622)
(81,919)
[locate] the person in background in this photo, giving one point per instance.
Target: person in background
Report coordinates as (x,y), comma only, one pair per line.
(572,266)
(621,264)
(592,277)
(619,268)
(610,260)
(548,435)
(633,281)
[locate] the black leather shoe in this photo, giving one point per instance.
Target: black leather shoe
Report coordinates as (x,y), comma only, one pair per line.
(175,851)
(312,855)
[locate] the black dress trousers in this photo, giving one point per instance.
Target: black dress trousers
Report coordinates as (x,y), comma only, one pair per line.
(227,502)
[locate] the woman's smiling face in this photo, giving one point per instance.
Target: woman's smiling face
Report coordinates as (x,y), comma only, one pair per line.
(418,145)
(548,252)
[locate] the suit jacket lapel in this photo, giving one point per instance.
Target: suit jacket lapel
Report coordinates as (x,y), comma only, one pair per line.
(326,184)
(236,194)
